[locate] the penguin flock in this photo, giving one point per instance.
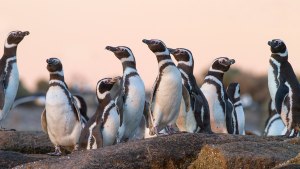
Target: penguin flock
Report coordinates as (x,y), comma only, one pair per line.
(176,103)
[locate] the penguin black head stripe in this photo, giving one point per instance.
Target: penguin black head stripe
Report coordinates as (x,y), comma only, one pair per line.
(222,64)
(157,46)
(104,86)
(54,65)
(15,37)
(123,53)
(183,56)
(277,46)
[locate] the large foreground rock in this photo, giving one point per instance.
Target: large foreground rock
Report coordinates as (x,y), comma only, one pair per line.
(29,142)
(181,151)
(9,159)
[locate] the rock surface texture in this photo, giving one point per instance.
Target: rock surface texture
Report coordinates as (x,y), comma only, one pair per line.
(28,149)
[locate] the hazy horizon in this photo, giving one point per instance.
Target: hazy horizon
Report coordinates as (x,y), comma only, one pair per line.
(78,32)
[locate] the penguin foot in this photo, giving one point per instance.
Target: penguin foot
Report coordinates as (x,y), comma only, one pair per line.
(4,129)
(57,152)
(170,130)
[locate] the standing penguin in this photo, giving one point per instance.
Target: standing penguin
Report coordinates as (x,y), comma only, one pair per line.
(194,110)
(167,90)
(131,97)
(284,87)
(61,119)
(221,108)
(233,91)
(101,130)
(9,74)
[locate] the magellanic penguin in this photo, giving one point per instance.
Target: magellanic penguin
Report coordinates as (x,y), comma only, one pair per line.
(167,90)
(101,130)
(194,110)
(284,87)
(274,124)
(9,74)
(233,91)
(61,119)
(131,98)
(221,108)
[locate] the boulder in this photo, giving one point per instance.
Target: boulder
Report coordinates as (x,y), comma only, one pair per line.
(29,142)
(9,159)
(177,151)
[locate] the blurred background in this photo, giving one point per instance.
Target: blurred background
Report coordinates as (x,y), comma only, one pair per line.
(77,33)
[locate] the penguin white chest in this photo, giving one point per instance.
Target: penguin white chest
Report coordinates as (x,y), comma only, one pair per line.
(272,82)
(12,88)
(111,127)
(63,128)
(217,115)
(168,94)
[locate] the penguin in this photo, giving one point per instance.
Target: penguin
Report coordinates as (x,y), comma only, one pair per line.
(167,90)
(233,91)
(61,118)
(9,74)
(194,109)
(130,99)
(284,87)
(101,130)
(221,108)
(274,124)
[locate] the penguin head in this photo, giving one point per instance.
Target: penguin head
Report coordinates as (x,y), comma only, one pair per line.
(183,56)
(221,64)
(54,65)
(15,37)
(123,53)
(278,47)
(104,86)
(233,90)
(157,46)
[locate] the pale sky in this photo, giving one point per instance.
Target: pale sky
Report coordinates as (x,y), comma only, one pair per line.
(77,32)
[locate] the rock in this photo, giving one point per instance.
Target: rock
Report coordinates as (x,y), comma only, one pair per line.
(292,163)
(9,159)
(29,142)
(176,151)
(245,154)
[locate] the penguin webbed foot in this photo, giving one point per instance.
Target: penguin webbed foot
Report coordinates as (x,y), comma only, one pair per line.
(5,129)
(170,130)
(57,152)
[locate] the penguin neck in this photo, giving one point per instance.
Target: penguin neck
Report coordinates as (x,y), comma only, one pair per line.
(103,102)
(56,76)
(10,51)
(128,64)
(279,58)
(185,68)
(163,57)
(218,75)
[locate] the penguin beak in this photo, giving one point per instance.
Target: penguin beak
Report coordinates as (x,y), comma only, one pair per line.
(49,61)
(112,49)
(148,42)
(25,33)
(231,61)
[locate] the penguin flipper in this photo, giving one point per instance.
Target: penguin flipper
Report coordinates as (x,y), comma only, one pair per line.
(282,91)
(44,121)
(186,98)
(96,132)
(120,102)
(2,92)
(197,110)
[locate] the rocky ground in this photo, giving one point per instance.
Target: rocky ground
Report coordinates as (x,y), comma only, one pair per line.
(28,150)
